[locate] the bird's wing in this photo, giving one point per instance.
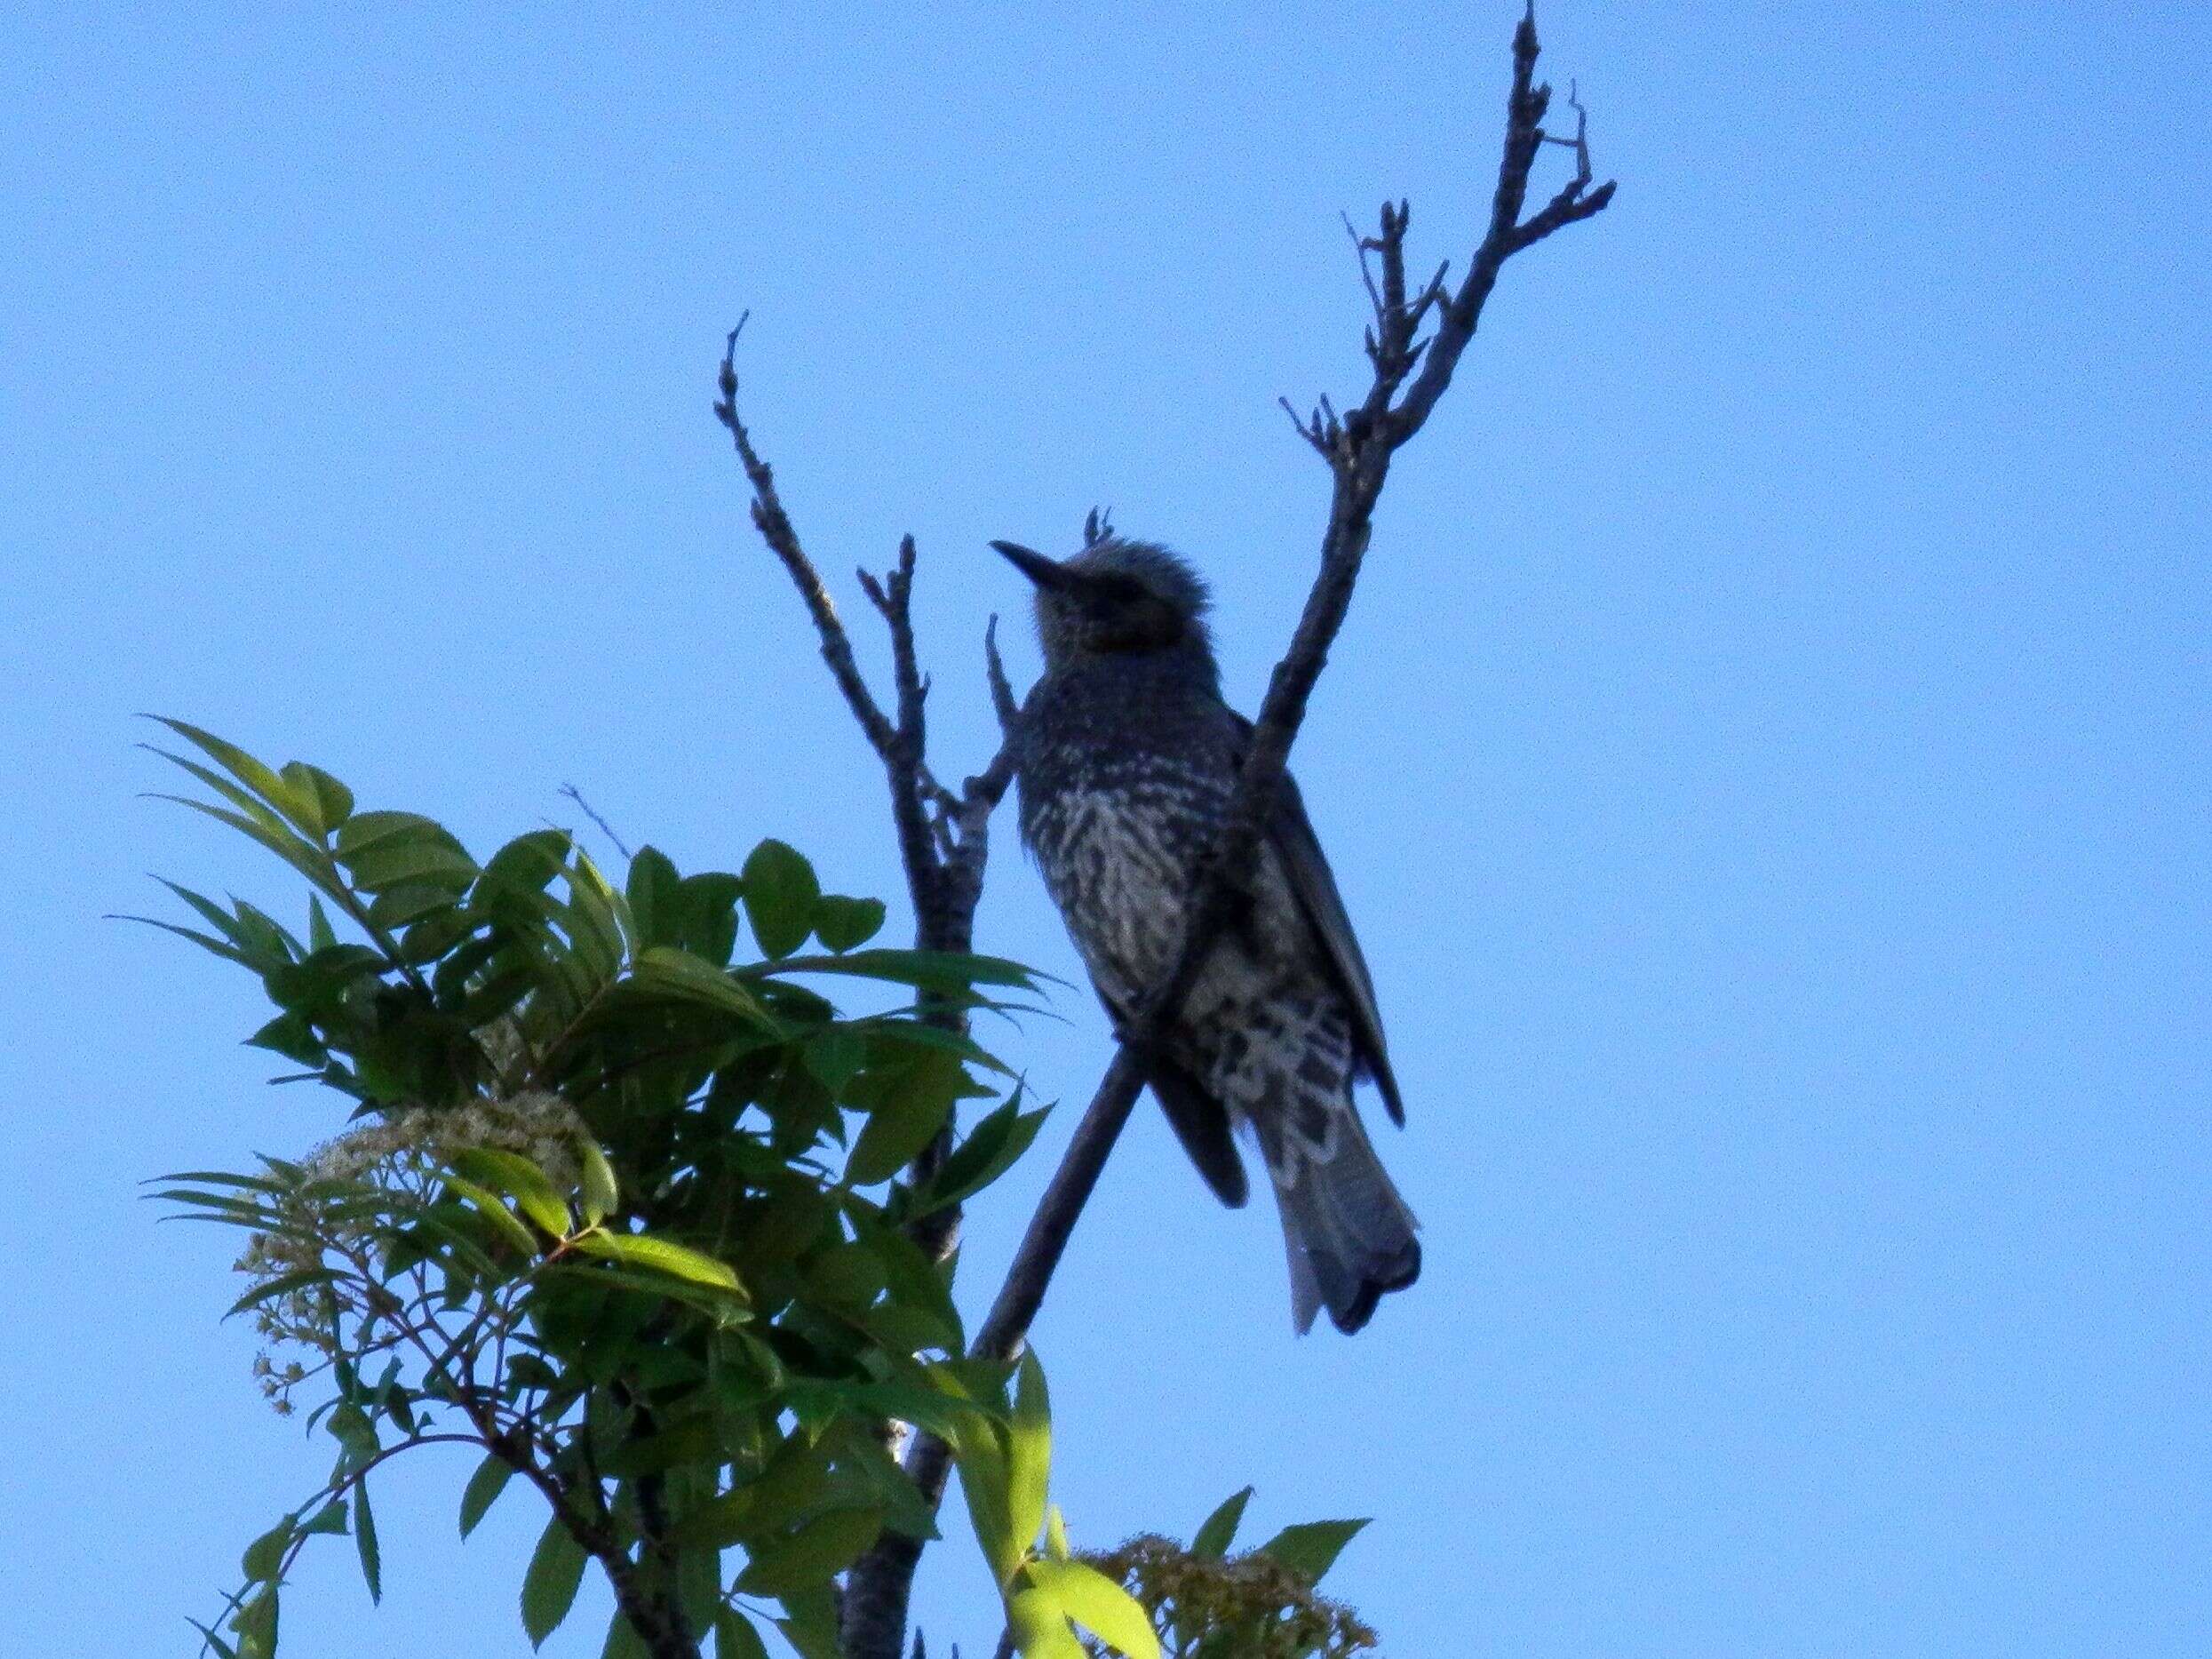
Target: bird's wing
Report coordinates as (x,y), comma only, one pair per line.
(1291,836)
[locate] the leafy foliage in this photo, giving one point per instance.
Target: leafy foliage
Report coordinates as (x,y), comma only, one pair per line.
(1206,1604)
(619,1206)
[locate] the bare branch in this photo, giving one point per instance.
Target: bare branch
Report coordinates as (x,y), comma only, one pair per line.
(1507,236)
(572,793)
(1309,430)
(775,526)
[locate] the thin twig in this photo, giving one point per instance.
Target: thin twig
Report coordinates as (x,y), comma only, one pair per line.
(775,526)
(572,793)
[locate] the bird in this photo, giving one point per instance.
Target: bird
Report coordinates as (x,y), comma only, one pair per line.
(1125,762)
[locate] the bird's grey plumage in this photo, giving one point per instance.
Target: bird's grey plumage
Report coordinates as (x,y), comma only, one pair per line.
(1128,763)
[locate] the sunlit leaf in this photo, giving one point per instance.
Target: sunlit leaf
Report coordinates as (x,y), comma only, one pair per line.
(520,1179)
(497,1213)
(662,1256)
(1099,1605)
(1029,1450)
(1039,1627)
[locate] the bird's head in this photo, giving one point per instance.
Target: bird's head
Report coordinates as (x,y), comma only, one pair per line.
(1116,598)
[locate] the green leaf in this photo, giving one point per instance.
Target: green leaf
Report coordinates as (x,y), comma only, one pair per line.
(780,895)
(366,831)
(980,1450)
(520,1179)
(817,1552)
(350,1427)
(198,939)
(330,1519)
(301,808)
(291,1035)
(734,1637)
(656,895)
(1099,1605)
(998,1138)
(841,923)
(845,1277)
(211,1642)
(365,1542)
(926,970)
(283,1284)
(526,866)
(1310,1548)
(333,801)
(662,1256)
(623,1641)
(549,1587)
(908,1121)
(483,1489)
(1029,1450)
(915,1278)
(256,1624)
(1039,1626)
(310,860)
(430,861)
(264,1558)
(1056,1533)
(709,912)
(602,1195)
(488,1205)
(796,1480)
(1220,1529)
(835,1055)
(678,973)
(812,1627)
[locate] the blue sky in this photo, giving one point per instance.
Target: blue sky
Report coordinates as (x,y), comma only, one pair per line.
(1766,760)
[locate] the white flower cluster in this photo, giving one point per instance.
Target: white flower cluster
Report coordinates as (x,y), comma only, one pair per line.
(323,1227)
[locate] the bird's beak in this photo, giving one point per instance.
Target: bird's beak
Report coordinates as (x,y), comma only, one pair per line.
(1045,572)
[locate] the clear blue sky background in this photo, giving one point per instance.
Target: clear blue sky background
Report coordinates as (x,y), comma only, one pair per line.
(1766,760)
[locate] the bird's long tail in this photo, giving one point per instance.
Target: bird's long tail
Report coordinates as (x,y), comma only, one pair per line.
(1349,1236)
